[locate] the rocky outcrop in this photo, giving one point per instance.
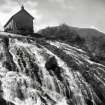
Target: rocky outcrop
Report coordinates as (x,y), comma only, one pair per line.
(52,66)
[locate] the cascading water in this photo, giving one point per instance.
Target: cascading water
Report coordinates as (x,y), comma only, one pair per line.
(41,74)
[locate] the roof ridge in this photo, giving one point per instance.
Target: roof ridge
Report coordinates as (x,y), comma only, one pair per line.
(16,14)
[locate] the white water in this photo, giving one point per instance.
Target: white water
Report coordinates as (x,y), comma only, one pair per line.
(36,84)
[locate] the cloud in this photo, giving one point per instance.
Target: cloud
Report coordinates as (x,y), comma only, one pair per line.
(81,13)
(2,2)
(59,1)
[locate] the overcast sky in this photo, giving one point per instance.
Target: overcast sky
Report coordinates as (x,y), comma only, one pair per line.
(78,13)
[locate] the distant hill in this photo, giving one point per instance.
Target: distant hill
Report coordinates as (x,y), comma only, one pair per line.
(88,32)
(82,32)
(91,40)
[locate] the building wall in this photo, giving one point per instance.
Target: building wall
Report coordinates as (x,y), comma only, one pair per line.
(21,23)
(10,27)
(24,22)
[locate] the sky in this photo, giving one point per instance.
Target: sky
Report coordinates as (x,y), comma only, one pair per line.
(76,13)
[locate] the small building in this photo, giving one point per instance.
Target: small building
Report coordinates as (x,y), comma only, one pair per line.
(20,23)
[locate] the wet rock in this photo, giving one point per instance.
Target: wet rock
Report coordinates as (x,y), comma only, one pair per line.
(4,102)
(20,95)
(89,102)
(6,41)
(43,100)
(51,100)
(10,103)
(7,65)
(57,72)
(51,65)
(35,72)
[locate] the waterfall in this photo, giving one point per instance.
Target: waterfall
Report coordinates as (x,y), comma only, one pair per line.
(30,82)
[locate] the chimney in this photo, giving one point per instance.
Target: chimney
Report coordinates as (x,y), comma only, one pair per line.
(22,7)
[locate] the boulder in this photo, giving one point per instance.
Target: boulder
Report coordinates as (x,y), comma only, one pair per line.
(52,66)
(51,63)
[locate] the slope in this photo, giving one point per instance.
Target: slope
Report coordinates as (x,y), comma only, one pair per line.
(44,72)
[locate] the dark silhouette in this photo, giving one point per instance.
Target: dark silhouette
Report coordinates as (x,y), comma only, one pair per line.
(52,66)
(20,23)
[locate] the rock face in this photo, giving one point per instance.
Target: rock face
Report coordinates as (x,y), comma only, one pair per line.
(53,68)
(51,63)
(4,102)
(41,72)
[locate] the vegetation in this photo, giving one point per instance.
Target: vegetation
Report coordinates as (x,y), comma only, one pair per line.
(63,33)
(95,46)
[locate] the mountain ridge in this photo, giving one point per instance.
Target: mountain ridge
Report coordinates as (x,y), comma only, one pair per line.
(79,30)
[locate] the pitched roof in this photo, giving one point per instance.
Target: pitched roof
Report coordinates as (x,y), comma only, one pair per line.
(22,9)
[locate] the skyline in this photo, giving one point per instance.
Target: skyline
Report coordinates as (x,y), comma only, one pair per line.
(76,13)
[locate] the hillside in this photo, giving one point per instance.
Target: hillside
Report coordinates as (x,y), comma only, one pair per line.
(44,72)
(87,32)
(90,40)
(82,32)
